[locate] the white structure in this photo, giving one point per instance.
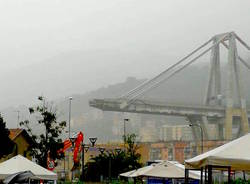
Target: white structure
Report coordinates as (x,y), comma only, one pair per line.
(137,172)
(20,163)
(164,169)
(234,154)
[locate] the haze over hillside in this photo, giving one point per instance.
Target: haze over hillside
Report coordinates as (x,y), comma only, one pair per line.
(89,48)
(66,74)
(58,48)
(187,87)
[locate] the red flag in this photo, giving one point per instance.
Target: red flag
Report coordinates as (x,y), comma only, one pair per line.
(66,145)
(77,148)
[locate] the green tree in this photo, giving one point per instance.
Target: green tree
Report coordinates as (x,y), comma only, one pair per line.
(132,155)
(111,163)
(6,145)
(48,142)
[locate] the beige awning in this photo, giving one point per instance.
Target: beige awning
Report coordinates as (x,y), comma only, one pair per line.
(235,154)
(167,169)
(164,169)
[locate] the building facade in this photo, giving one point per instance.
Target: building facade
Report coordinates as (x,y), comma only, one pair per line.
(22,142)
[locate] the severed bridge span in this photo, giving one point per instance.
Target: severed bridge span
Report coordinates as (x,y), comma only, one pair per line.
(233,112)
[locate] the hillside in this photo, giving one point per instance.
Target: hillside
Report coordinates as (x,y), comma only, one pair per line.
(187,87)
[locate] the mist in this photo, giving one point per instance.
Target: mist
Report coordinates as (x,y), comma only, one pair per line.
(58,48)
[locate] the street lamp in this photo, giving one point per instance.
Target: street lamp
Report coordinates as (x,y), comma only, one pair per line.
(198,125)
(70,99)
(93,140)
(85,149)
(101,149)
(124,130)
(118,150)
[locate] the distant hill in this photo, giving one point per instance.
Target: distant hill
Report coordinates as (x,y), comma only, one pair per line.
(186,87)
(75,71)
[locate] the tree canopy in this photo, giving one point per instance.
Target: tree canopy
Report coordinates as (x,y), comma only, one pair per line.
(48,142)
(6,145)
(111,162)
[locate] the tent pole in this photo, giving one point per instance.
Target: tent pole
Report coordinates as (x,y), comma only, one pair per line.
(229,175)
(201,176)
(244,175)
(209,174)
(205,174)
(186,175)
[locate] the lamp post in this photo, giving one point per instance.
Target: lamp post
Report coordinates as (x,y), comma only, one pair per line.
(93,141)
(70,99)
(198,125)
(18,117)
(85,149)
(72,140)
(124,130)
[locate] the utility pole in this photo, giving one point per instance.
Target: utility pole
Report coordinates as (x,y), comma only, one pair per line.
(70,99)
(18,117)
(124,130)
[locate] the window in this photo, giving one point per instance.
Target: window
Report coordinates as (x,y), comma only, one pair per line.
(170,154)
(155,154)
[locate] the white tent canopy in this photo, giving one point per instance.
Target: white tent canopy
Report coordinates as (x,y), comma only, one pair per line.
(20,163)
(168,170)
(164,169)
(137,172)
(235,154)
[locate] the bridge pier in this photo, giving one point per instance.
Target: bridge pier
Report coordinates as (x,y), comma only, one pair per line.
(234,89)
(228,123)
(220,131)
(243,125)
(234,82)
(244,122)
(204,122)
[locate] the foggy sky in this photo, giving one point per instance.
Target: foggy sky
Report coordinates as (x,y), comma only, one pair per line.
(60,47)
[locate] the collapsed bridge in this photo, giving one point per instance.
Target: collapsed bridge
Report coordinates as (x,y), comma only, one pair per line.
(212,110)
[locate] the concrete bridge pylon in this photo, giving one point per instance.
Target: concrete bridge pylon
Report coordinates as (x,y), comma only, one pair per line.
(225,109)
(235,99)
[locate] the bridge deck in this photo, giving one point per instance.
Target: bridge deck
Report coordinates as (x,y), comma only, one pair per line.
(161,108)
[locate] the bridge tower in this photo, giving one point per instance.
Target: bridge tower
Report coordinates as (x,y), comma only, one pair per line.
(234,107)
(235,102)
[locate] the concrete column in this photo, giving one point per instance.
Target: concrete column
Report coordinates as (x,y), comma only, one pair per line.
(228,123)
(203,123)
(244,122)
(220,131)
(234,71)
(240,94)
(229,89)
(211,77)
